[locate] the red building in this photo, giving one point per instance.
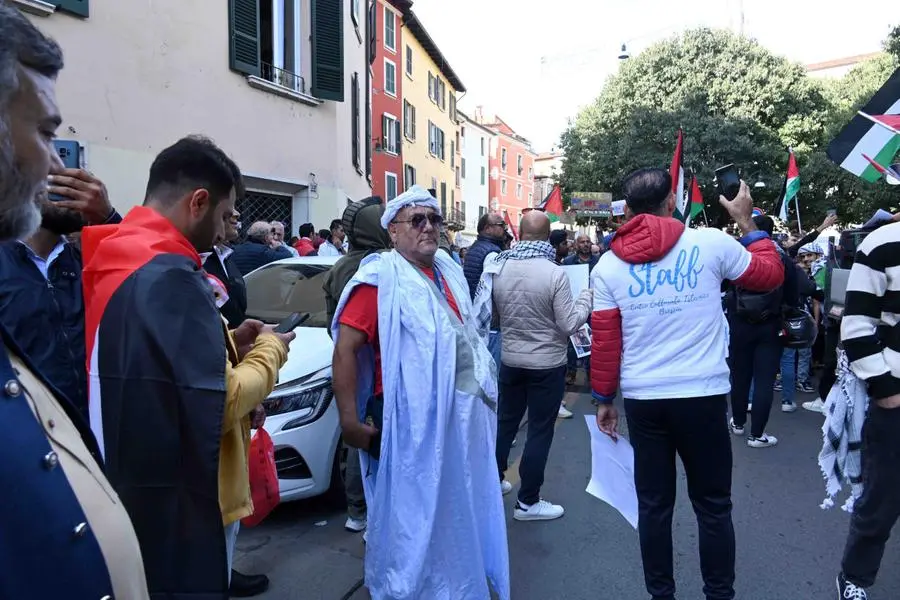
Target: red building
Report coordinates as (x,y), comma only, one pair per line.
(387,97)
(511,185)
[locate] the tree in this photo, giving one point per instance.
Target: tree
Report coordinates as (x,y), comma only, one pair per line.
(892,43)
(736,101)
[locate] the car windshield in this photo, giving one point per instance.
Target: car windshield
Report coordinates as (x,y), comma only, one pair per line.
(278,290)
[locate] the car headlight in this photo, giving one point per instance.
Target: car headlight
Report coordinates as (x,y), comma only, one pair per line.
(310,403)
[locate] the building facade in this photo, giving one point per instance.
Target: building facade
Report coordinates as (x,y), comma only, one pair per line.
(280,85)
(387,97)
(430,123)
(476,143)
(511,183)
(547,169)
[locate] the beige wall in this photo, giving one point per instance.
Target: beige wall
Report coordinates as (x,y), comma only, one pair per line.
(140,75)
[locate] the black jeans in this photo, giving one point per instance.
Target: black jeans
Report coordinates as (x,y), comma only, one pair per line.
(832,336)
(696,430)
(541,392)
(755,357)
(878,509)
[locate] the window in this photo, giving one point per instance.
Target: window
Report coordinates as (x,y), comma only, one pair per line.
(503,159)
(390,186)
(390,78)
(409,177)
(444,197)
(462,163)
(452,154)
(483,175)
(482,146)
(390,32)
(390,134)
(435,140)
(482,210)
(354,124)
(442,94)
(354,12)
(530,199)
(519,165)
(266,42)
(503,186)
(437,90)
(530,173)
(434,184)
(453,106)
(519,191)
(409,120)
(431,86)
(409,62)
(457,176)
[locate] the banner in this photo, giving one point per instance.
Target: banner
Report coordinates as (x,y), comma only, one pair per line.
(592,204)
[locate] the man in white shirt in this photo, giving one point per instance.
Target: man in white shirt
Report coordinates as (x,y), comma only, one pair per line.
(658,324)
(334,245)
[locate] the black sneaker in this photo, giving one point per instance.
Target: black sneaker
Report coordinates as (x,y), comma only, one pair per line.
(849,591)
(246,586)
(805,387)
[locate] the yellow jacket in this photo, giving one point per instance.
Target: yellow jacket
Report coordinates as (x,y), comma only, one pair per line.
(248,382)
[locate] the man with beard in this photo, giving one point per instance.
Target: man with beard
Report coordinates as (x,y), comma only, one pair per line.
(220,263)
(171,390)
(41,300)
(65,531)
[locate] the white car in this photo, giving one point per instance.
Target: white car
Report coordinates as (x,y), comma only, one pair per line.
(302,417)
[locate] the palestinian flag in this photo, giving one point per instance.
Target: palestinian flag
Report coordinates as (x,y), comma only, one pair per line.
(156,388)
(791,188)
(891,174)
(552,204)
(677,173)
(512,228)
(696,201)
(873,133)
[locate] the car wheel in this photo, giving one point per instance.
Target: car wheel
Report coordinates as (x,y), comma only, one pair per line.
(336,494)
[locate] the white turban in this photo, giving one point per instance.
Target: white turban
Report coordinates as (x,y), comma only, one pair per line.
(414,196)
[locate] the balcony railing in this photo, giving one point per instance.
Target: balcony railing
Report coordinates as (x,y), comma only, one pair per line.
(285,79)
(455,219)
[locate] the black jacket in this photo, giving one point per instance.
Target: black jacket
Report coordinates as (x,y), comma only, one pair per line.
(252,255)
(474,266)
(576,260)
(235,309)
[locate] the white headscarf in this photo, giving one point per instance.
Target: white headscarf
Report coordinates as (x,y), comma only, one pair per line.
(414,196)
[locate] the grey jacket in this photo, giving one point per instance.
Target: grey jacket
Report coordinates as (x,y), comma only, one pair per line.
(537,313)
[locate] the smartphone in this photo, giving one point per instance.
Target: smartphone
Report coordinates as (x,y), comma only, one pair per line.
(292,322)
(69,152)
(831,212)
(728,181)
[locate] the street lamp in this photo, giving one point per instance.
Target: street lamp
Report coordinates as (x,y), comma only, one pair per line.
(624,55)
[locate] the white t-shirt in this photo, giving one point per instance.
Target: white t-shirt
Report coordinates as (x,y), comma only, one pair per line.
(328,249)
(674,331)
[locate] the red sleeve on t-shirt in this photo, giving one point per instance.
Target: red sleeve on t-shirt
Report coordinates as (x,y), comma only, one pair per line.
(361,311)
(449,294)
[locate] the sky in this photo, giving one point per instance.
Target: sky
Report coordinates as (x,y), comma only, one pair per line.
(535,63)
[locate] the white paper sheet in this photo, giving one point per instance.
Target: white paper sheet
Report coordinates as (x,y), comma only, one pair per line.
(612,472)
(581,341)
(579,278)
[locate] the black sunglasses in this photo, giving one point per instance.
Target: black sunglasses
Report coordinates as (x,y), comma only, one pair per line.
(418,220)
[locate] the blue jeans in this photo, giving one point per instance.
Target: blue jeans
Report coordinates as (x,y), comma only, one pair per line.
(789,375)
(495,345)
(804,360)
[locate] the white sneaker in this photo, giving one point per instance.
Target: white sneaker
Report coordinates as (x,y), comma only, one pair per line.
(355,525)
(565,413)
(788,407)
(766,441)
(505,487)
(750,407)
(815,406)
(739,431)
(542,511)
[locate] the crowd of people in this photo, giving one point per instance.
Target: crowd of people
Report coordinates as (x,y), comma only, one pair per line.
(131,380)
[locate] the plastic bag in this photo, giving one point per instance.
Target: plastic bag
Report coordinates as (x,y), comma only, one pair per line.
(263,478)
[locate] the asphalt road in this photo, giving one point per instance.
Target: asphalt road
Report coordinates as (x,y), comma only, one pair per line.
(787,547)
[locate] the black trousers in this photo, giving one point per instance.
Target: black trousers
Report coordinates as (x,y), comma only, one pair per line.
(878,509)
(696,430)
(832,335)
(541,393)
(755,357)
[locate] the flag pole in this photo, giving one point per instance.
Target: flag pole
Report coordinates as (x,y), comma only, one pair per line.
(877,122)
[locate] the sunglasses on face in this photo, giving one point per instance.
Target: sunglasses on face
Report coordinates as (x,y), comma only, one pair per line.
(418,221)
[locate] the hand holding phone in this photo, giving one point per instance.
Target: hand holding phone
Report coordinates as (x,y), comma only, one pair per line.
(292,322)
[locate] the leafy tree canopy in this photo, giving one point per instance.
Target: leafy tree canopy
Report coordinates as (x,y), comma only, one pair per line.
(737,103)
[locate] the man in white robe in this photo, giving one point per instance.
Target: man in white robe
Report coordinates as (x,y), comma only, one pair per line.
(417,392)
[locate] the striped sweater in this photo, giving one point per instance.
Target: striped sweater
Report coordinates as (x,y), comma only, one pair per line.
(869,331)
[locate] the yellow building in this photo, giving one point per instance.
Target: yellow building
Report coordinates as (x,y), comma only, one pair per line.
(430,148)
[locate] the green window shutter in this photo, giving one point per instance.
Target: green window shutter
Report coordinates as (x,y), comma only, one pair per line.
(75,7)
(328,50)
(243,20)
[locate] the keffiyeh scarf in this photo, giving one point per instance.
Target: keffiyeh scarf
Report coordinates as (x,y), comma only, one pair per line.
(493,264)
(845,412)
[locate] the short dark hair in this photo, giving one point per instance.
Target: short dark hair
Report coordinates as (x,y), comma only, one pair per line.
(336,223)
(191,163)
(483,222)
(325,234)
(306,230)
(23,44)
(646,190)
(764,223)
